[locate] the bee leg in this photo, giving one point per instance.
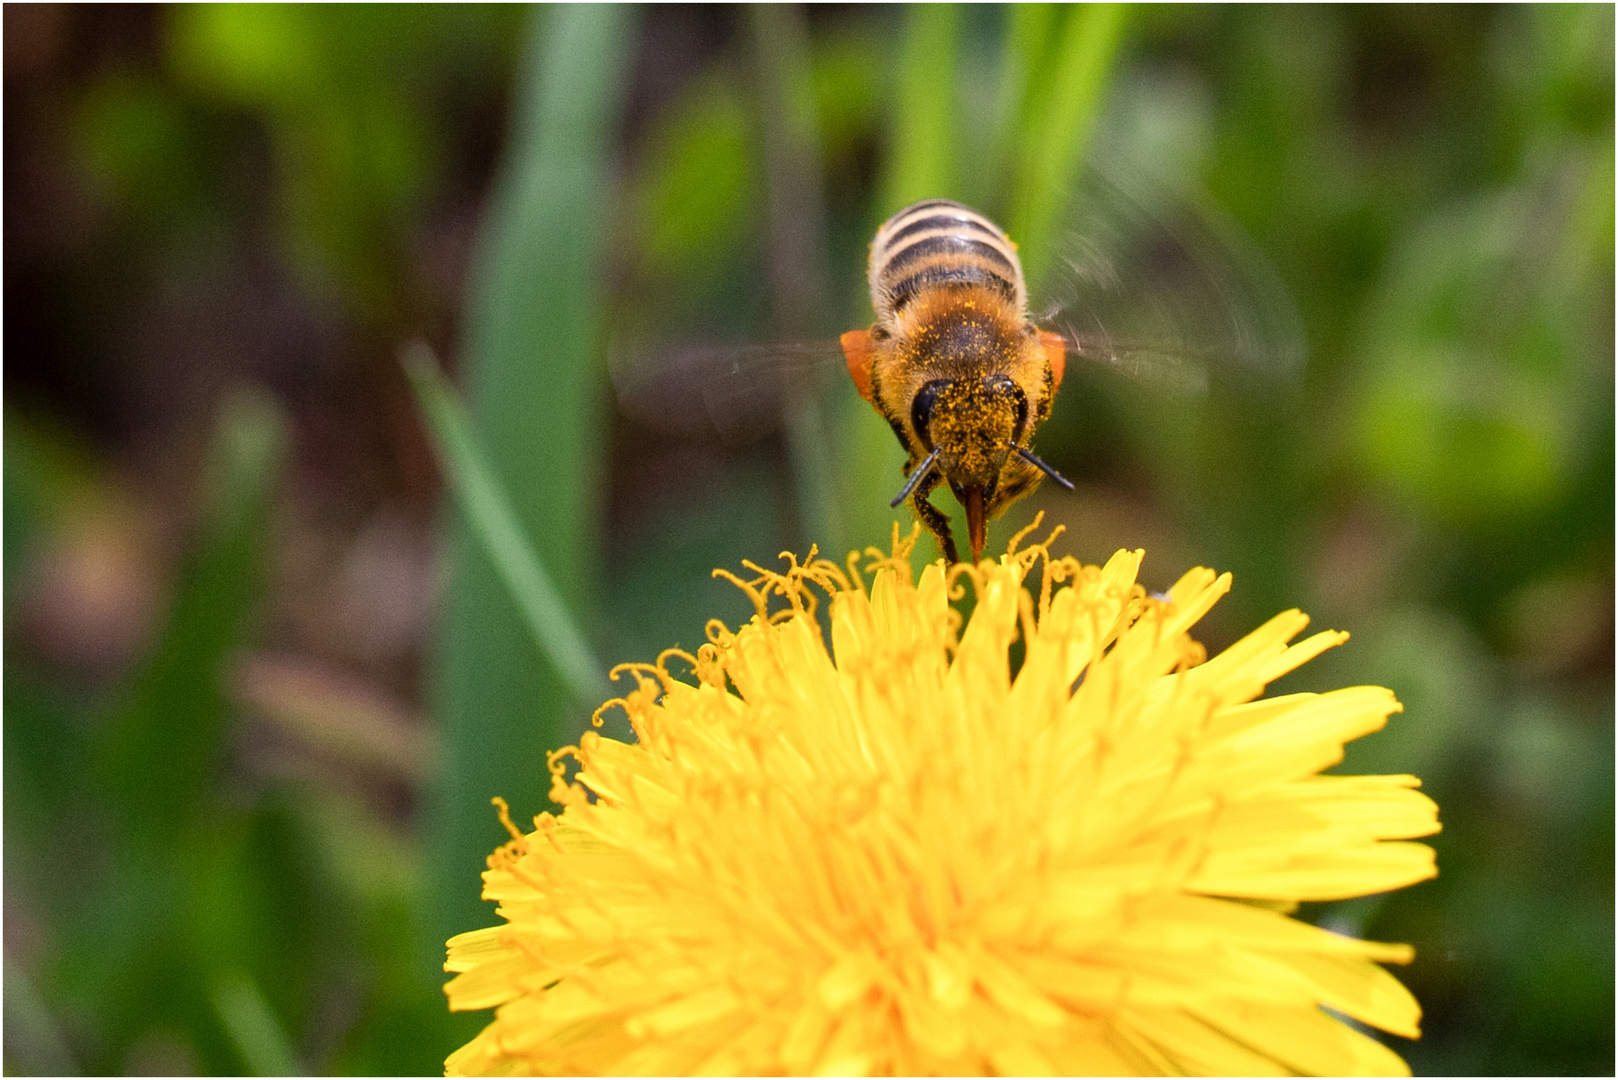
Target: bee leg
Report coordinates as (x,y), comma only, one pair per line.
(1018,479)
(936,520)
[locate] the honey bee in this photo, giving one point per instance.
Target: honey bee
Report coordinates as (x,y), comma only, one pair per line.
(954,364)
(961,369)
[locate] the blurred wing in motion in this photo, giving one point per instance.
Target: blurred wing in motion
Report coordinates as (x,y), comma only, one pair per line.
(1167,291)
(739,392)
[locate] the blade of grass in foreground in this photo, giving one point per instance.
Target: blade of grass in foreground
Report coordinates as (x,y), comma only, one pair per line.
(536,390)
(491,519)
(252,1027)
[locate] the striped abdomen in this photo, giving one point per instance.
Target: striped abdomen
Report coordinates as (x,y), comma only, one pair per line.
(940,244)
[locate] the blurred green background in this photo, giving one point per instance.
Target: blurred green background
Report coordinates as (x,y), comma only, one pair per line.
(260,683)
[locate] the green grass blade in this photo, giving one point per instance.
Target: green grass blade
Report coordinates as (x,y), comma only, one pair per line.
(537,394)
(1063,99)
(252,1027)
(922,147)
(491,519)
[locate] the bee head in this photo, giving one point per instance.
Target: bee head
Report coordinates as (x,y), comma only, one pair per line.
(972,424)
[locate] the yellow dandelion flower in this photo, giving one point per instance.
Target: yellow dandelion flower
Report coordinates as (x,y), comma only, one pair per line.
(900,855)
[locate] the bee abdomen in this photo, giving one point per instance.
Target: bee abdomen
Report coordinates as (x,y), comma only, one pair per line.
(941,244)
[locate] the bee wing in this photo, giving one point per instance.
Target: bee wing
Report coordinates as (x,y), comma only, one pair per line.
(1170,363)
(1167,290)
(738,392)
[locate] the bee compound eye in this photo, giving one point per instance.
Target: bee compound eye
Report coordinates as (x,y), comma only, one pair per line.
(921,409)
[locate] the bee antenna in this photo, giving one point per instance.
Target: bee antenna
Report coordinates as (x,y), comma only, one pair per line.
(920,474)
(1032,459)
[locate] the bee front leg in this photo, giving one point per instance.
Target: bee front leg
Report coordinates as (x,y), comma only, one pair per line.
(936,520)
(1016,480)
